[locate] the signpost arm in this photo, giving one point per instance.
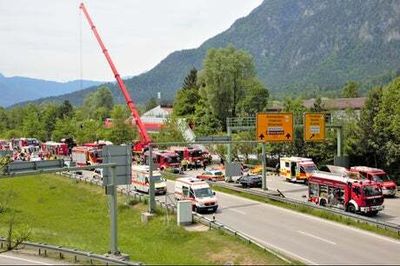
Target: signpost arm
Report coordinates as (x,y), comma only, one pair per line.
(152,200)
(264,172)
(112,199)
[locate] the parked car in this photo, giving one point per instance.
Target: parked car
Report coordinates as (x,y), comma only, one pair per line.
(212,175)
(251,181)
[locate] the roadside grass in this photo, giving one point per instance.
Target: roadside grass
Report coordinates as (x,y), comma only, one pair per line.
(315,212)
(61,211)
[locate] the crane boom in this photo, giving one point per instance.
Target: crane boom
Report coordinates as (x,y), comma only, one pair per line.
(145,139)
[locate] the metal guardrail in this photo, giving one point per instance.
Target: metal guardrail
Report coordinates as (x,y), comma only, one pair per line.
(372,221)
(211,223)
(76,254)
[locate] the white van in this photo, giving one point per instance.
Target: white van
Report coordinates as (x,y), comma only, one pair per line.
(140,180)
(198,191)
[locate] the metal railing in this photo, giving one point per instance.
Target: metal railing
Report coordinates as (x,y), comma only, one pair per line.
(75,254)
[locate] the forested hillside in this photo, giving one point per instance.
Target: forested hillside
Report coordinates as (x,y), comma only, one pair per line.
(297,46)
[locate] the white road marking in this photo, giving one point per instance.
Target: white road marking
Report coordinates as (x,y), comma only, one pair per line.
(30,261)
(317,237)
(284,251)
(236,210)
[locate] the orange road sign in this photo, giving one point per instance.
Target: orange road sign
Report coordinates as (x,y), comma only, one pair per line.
(274,127)
(314,126)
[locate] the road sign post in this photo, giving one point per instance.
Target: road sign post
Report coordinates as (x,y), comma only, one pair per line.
(152,194)
(274,127)
(314,126)
(264,170)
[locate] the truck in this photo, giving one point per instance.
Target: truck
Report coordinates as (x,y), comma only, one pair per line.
(342,192)
(4,145)
(83,155)
(193,155)
(198,192)
(163,159)
(389,187)
(25,143)
(141,182)
(296,168)
(55,148)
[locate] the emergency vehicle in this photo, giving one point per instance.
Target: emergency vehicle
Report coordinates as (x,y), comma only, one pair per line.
(192,154)
(296,168)
(341,191)
(20,143)
(55,148)
(4,145)
(163,159)
(83,155)
(141,182)
(389,187)
(198,192)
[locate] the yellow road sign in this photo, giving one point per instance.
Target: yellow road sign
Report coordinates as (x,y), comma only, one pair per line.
(274,127)
(314,126)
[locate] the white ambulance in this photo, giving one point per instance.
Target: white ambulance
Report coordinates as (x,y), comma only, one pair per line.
(140,180)
(296,168)
(198,191)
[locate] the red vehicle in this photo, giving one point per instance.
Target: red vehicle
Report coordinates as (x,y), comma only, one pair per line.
(21,143)
(191,154)
(83,155)
(339,191)
(141,145)
(55,148)
(389,187)
(4,145)
(164,159)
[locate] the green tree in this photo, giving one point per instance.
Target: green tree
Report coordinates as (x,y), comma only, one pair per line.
(65,110)
(226,71)
(65,128)
(170,131)
(120,132)
(151,103)
(350,89)
(255,99)
(101,99)
(190,81)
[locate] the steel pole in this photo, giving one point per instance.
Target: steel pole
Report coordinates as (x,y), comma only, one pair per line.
(264,170)
(152,195)
(112,199)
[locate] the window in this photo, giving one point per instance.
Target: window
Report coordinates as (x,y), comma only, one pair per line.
(185,191)
(323,191)
(287,165)
(356,190)
(313,190)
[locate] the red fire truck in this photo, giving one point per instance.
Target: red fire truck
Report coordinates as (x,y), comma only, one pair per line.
(21,143)
(164,159)
(55,148)
(83,155)
(192,154)
(389,187)
(4,144)
(340,191)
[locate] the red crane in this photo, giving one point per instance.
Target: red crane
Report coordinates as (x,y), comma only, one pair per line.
(144,136)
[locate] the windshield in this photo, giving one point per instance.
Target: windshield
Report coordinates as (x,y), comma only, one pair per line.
(196,153)
(158,179)
(381,178)
(309,168)
(173,159)
(218,173)
(372,191)
(203,192)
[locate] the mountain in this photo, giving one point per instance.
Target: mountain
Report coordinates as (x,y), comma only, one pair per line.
(18,89)
(297,46)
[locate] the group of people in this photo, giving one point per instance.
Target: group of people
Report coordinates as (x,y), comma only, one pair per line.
(187,165)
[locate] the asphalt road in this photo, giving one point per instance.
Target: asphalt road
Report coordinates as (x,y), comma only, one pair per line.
(309,239)
(11,258)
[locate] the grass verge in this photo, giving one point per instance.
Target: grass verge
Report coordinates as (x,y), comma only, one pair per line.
(314,212)
(60,211)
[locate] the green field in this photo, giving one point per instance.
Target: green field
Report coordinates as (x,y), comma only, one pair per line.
(61,211)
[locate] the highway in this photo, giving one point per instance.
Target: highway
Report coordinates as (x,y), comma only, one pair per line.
(11,258)
(309,239)
(306,238)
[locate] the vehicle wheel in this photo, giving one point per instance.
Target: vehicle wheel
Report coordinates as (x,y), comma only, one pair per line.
(351,208)
(322,203)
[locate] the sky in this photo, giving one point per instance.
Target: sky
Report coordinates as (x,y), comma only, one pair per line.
(51,39)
